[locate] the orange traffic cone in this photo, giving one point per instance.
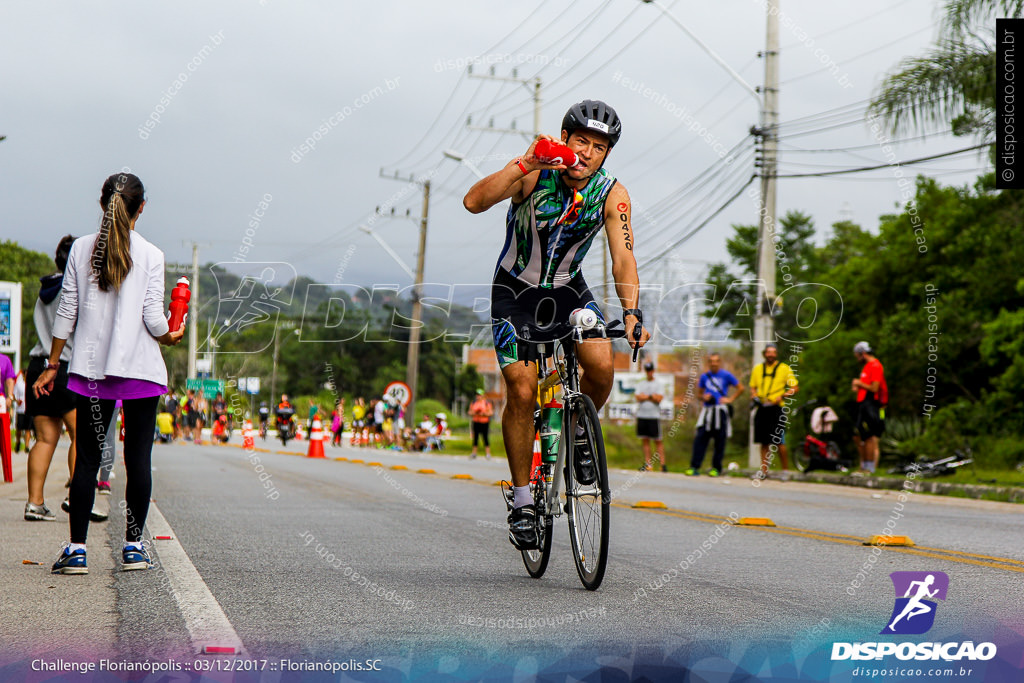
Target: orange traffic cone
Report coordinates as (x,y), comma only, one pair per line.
(536,457)
(316,441)
(247,436)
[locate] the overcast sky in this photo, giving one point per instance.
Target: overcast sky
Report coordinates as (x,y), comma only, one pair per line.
(81,80)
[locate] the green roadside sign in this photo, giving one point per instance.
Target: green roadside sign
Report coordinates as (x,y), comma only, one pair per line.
(209,387)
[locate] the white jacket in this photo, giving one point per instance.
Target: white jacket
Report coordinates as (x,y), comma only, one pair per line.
(115,331)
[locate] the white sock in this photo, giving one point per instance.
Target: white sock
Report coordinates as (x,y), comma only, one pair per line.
(72,547)
(134,545)
(521,496)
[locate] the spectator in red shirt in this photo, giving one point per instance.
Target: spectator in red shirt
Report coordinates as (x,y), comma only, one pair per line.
(872,396)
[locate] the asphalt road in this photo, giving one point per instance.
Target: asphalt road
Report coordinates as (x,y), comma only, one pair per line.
(317,560)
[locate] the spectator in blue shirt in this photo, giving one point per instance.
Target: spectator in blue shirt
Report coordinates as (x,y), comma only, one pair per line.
(715,420)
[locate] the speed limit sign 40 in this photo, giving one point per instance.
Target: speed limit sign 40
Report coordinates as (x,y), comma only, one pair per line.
(400,392)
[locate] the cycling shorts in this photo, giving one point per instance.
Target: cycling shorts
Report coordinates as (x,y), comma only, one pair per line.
(522,314)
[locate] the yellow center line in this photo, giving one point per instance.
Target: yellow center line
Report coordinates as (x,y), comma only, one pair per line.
(966,560)
(983,557)
(1005,563)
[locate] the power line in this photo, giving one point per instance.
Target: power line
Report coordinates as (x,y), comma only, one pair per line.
(699,206)
(846,26)
(875,168)
(643,156)
(794,149)
(699,200)
(861,55)
(575,31)
(697,228)
(462,76)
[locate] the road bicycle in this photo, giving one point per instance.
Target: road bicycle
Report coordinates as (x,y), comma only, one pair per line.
(586,506)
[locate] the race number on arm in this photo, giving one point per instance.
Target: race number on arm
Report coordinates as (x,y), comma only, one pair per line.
(617,211)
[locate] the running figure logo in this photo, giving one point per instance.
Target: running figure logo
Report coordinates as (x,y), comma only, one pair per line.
(914,613)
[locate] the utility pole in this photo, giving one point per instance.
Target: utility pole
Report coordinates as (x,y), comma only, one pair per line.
(764,327)
(412,371)
(531,84)
(412,359)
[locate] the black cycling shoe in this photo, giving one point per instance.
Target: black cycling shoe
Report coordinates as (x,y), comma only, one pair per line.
(522,528)
(583,464)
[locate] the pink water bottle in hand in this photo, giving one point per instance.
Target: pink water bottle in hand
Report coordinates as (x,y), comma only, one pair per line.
(180,296)
(551,152)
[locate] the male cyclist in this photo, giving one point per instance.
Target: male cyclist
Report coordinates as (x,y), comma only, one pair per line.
(555,214)
(264,413)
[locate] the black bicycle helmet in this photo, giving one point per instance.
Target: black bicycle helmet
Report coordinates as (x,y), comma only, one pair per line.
(593,115)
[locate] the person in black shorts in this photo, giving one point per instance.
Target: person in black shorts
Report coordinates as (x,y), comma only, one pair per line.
(771,383)
(48,412)
(649,395)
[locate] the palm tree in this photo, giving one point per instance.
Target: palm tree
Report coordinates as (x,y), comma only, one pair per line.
(953,84)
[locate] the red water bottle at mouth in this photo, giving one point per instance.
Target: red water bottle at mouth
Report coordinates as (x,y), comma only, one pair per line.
(550,152)
(180,296)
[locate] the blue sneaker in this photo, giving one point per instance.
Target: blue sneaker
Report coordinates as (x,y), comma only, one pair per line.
(70,562)
(135,558)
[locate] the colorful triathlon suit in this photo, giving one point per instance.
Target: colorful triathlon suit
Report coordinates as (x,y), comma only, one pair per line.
(537,282)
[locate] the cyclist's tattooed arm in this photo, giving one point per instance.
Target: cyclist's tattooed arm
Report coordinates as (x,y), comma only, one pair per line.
(617,211)
(508,182)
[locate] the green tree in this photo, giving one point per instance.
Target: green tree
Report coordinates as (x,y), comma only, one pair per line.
(468,381)
(734,294)
(18,264)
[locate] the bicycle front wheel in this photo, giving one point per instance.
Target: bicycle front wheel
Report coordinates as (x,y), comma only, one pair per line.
(536,561)
(801,458)
(588,504)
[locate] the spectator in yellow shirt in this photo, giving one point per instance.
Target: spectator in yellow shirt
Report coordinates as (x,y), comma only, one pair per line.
(771,383)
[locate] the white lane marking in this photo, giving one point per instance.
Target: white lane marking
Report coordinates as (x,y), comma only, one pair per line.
(205,620)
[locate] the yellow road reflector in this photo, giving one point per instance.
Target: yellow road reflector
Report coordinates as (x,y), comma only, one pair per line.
(374,464)
(754,521)
(342,459)
(427,471)
(357,462)
(399,467)
(650,505)
(462,476)
(882,539)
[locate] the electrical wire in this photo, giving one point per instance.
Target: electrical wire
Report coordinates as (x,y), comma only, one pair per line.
(874,168)
(791,148)
(462,77)
(693,231)
(861,55)
(846,26)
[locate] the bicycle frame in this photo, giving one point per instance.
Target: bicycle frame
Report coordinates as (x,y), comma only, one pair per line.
(565,374)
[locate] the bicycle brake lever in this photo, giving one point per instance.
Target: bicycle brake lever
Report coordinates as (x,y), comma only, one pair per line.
(638,331)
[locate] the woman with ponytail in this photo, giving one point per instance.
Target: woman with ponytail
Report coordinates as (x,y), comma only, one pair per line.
(112,299)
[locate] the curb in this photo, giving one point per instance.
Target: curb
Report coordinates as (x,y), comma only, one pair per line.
(1010,494)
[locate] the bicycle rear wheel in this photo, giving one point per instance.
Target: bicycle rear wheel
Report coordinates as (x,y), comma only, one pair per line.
(588,505)
(536,561)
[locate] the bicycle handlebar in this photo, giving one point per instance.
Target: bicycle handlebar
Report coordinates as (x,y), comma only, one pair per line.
(612,331)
